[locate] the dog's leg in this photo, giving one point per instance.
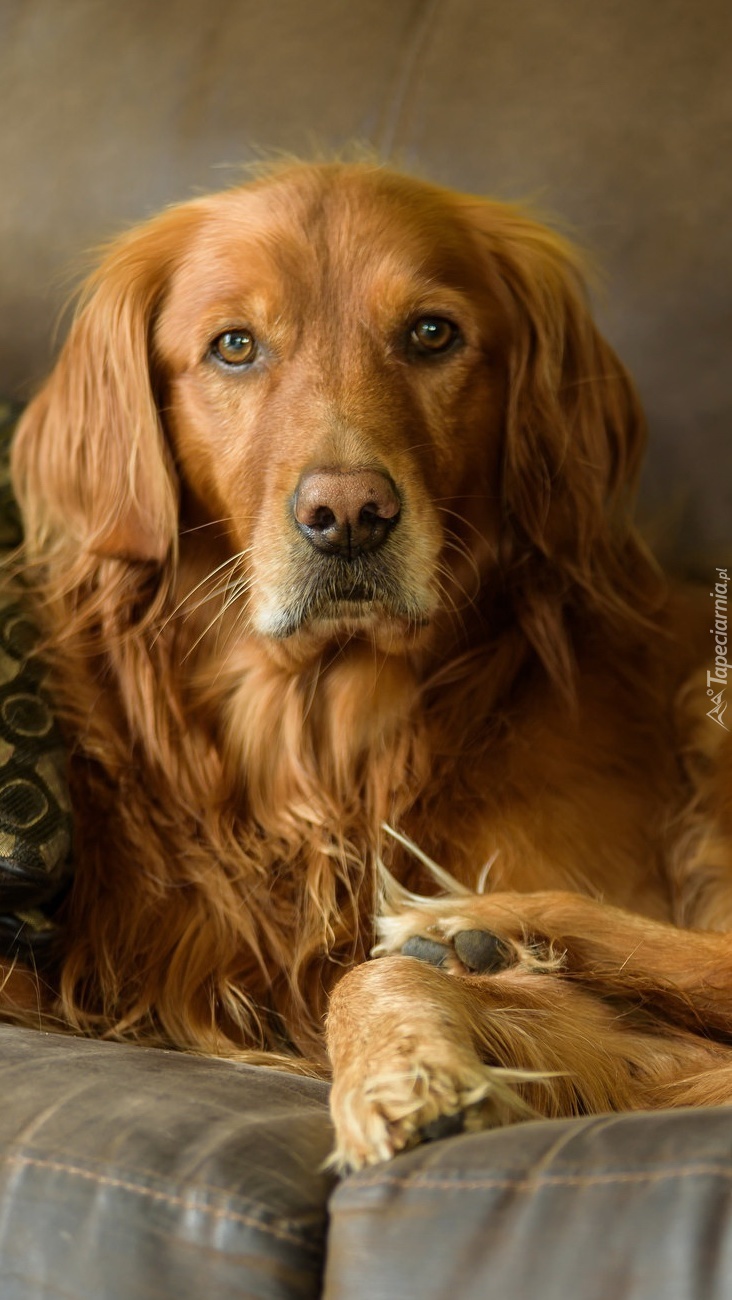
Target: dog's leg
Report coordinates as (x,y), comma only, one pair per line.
(404,1062)
(685,975)
(611,1009)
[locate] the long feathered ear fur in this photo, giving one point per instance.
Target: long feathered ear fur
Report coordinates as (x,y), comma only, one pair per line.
(576,431)
(90,464)
(574,441)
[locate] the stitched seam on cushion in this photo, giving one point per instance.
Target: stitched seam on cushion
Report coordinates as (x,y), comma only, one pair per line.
(153,1194)
(552,1180)
(142,1172)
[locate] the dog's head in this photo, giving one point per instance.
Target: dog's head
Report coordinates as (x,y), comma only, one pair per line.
(379,396)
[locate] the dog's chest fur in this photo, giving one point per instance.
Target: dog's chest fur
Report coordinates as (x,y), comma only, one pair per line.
(319,760)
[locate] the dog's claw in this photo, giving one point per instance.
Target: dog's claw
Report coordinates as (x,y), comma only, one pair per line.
(482,952)
(427,950)
(444,1126)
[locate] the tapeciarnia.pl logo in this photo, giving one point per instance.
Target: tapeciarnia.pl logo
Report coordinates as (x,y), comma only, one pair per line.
(721,666)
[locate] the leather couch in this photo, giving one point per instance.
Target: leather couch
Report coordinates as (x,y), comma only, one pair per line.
(133,1173)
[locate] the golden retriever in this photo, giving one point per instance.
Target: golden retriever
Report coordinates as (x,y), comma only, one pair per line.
(329,527)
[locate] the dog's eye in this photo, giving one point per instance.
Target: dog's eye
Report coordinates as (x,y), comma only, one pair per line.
(432,334)
(235,347)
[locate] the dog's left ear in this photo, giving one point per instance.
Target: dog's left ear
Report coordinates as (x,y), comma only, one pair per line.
(575,431)
(91,466)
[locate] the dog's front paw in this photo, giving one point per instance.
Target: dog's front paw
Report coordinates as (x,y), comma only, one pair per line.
(403,1042)
(433,1092)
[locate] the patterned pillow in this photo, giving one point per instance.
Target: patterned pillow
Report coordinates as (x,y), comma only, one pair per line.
(35,815)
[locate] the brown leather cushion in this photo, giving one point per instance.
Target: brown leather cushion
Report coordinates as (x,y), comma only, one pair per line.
(127,1172)
(616,1207)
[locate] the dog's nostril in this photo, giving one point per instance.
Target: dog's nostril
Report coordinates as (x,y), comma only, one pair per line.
(369,513)
(323,518)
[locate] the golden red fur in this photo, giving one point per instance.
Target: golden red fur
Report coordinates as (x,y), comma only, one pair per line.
(493,672)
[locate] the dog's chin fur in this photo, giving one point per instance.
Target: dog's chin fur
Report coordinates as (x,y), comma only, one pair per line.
(333,620)
(497,680)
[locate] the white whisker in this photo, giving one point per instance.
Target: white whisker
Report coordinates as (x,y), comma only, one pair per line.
(438,873)
(485,872)
(209,578)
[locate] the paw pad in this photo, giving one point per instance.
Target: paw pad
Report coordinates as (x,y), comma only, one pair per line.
(482,952)
(427,950)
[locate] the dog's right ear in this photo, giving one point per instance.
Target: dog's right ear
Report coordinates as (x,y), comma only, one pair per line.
(91,466)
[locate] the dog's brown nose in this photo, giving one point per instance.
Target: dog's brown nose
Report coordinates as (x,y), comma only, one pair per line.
(346,512)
